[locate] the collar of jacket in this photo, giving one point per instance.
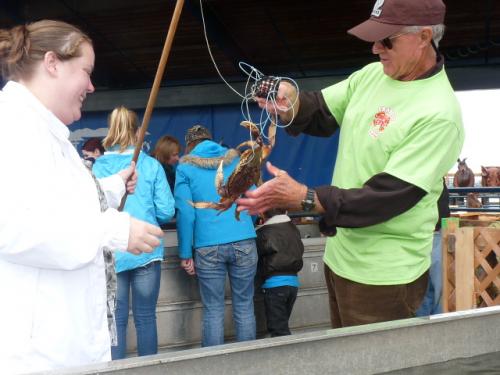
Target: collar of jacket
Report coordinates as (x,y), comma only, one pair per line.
(210,163)
(116,150)
(276,219)
(22,94)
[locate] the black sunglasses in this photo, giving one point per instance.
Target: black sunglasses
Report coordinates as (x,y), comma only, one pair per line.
(387,42)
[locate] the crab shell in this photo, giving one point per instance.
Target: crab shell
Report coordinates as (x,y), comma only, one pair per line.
(246,173)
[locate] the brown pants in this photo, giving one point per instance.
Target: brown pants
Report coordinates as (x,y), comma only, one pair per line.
(352,303)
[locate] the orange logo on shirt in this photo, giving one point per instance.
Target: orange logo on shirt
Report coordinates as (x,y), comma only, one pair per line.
(380,121)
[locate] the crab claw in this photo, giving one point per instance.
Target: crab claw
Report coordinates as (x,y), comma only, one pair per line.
(252,127)
(266,150)
(251,144)
(219,178)
(271,134)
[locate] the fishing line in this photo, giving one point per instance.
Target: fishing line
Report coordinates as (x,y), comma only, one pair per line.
(257,85)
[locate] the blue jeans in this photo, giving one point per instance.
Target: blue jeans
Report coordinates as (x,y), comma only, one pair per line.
(144,282)
(431,304)
(212,263)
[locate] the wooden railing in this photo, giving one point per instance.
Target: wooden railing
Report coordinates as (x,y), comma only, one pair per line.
(471,268)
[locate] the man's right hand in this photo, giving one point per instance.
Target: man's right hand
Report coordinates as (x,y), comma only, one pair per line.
(286,103)
(143,237)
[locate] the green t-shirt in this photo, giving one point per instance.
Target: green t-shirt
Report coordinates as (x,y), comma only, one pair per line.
(411,130)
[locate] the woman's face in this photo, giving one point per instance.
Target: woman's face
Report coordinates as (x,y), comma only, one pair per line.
(174,158)
(75,84)
(91,154)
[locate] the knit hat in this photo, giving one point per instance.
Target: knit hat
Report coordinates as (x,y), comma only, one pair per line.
(196,133)
(390,16)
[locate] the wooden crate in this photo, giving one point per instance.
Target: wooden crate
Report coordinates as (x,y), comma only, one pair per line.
(471,267)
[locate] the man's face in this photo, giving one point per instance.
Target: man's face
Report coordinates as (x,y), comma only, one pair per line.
(405,60)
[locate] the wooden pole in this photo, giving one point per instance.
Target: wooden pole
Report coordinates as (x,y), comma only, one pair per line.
(156,85)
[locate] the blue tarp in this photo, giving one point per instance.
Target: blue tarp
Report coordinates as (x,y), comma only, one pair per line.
(308,159)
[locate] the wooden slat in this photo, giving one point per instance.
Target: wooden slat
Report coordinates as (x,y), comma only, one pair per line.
(464,269)
(448,245)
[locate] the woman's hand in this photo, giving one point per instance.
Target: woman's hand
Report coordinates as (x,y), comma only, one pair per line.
(143,237)
(129,176)
(188,266)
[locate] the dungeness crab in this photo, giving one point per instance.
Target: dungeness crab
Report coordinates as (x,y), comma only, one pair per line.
(246,173)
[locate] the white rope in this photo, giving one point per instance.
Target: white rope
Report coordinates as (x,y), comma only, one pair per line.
(254,78)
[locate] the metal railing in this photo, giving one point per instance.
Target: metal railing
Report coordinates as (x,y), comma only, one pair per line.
(489,197)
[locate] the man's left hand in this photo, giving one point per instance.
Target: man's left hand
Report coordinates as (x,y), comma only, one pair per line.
(280,192)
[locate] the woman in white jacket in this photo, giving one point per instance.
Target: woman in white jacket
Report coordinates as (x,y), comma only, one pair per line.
(52,230)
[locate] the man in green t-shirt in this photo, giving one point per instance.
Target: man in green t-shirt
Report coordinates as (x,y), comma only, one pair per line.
(400,132)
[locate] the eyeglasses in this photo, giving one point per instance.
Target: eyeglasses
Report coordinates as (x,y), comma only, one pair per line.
(387,42)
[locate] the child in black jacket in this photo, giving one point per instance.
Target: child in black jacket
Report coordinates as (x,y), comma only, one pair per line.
(280,251)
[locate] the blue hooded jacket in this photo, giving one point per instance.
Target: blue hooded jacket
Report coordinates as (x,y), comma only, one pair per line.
(152,200)
(195,181)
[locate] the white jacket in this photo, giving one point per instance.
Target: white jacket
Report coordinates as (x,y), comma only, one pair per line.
(52,281)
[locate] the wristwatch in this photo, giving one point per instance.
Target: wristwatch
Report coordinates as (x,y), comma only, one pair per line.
(308,202)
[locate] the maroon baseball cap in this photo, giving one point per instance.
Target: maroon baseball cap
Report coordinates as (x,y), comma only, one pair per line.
(390,16)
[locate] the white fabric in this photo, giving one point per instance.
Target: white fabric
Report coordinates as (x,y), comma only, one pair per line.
(52,281)
(276,219)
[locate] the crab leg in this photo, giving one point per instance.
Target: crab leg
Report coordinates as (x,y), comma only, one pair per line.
(271,134)
(252,127)
(216,206)
(251,144)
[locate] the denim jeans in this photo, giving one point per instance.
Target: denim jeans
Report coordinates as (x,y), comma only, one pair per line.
(212,263)
(432,299)
(144,283)
(279,303)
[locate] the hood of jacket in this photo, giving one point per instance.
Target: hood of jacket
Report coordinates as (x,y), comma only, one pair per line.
(208,155)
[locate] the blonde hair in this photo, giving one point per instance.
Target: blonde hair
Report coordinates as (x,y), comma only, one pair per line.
(23,46)
(123,125)
(165,147)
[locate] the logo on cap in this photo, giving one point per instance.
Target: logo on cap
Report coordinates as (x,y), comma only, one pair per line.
(377,8)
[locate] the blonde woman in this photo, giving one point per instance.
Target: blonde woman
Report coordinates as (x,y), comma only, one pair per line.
(52,230)
(152,202)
